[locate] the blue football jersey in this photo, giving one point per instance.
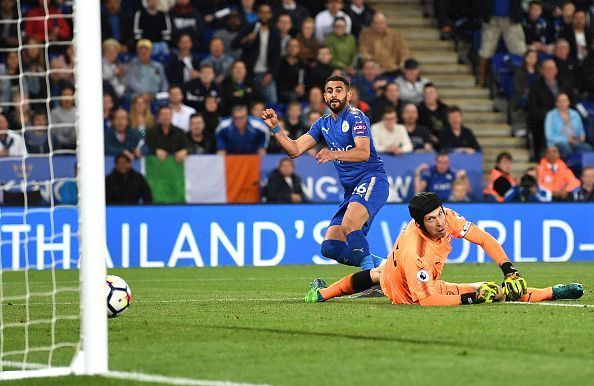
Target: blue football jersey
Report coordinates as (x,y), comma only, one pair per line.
(340,135)
(438,183)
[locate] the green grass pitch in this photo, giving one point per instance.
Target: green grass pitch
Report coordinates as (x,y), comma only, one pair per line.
(251,325)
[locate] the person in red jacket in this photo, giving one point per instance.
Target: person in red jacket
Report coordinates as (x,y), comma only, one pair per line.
(57,27)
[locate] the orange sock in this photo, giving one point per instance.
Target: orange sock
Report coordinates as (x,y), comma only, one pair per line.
(537,295)
(342,287)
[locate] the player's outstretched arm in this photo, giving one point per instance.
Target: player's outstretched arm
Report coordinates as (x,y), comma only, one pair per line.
(293,147)
(514,284)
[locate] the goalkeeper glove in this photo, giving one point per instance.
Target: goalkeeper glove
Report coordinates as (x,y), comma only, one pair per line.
(487,292)
(514,285)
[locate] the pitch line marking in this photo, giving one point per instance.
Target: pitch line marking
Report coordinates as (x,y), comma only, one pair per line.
(554,304)
(141,377)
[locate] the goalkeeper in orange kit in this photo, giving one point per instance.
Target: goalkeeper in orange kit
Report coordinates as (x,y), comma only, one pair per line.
(411,273)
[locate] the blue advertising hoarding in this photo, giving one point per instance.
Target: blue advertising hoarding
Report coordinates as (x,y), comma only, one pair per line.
(266,235)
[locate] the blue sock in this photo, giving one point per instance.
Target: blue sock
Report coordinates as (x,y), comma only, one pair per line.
(339,251)
(360,247)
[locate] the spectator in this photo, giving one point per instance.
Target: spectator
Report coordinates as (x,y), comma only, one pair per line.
(361,15)
(121,138)
(284,26)
(197,89)
(62,67)
(261,47)
(325,19)
(144,75)
(200,141)
(438,178)
(64,117)
(321,69)
(297,12)
(567,66)
(215,11)
(555,176)
(500,179)
(291,75)
(8,86)
(20,116)
(293,122)
(389,98)
(180,112)
(419,135)
(500,18)
(229,33)
(125,186)
(68,190)
(564,128)
(579,36)
(526,191)
(240,135)
(237,89)
(11,142)
(316,102)
(283,185)
(220,62)
(108,105)
(185,19)
(457,137)
(113,71)
(182,66)
(141,117)
(524,78)
(541,99)
(584,77)
(343,46)
(211,113)
(167,139)
(57,28)
(246,9)
(563,22)
(311,117)
(308,42)
(383,44)
(117,24)
(535,27)
(433,113)
(358,103)
(585,193)
(459,192)
(255,112)
(273,145)
(153,25)
(9,36)
(390,137)
(33,68)
(38,140)
(411,82)
(369,84)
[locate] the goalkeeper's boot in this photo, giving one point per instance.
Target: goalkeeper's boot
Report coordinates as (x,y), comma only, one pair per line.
(314,295)
(373,292)
(568,291)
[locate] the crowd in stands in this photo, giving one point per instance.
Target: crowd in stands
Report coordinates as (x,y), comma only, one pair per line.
(187,77)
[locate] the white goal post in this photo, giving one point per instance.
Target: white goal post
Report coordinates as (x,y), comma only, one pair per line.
(91,357)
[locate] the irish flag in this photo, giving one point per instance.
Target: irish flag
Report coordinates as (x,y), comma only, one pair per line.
(204,179)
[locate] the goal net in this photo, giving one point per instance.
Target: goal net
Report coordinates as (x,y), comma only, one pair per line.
(52,205)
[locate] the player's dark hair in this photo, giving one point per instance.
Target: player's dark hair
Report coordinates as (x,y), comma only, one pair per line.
(338,78)
(421,204)
(504,155)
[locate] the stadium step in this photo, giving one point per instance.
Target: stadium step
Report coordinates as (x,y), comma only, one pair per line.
(472,117)
(490,154)
(408,21)
(418,33)
(468,105)
(501,142)
(452,80)
(427,57)
(463,92)
(442,68)
(491,129)
(417,45)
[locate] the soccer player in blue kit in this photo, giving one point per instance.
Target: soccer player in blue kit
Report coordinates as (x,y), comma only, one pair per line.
(346,131)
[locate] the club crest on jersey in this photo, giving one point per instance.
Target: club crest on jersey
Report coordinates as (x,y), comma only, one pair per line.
(345,126)
(423,276)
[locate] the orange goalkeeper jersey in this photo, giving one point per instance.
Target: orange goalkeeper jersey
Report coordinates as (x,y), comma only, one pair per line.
(412,270)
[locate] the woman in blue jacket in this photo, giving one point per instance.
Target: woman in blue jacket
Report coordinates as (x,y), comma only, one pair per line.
(564,128)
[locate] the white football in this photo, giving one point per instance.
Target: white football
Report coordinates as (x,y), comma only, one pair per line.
(118,295)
